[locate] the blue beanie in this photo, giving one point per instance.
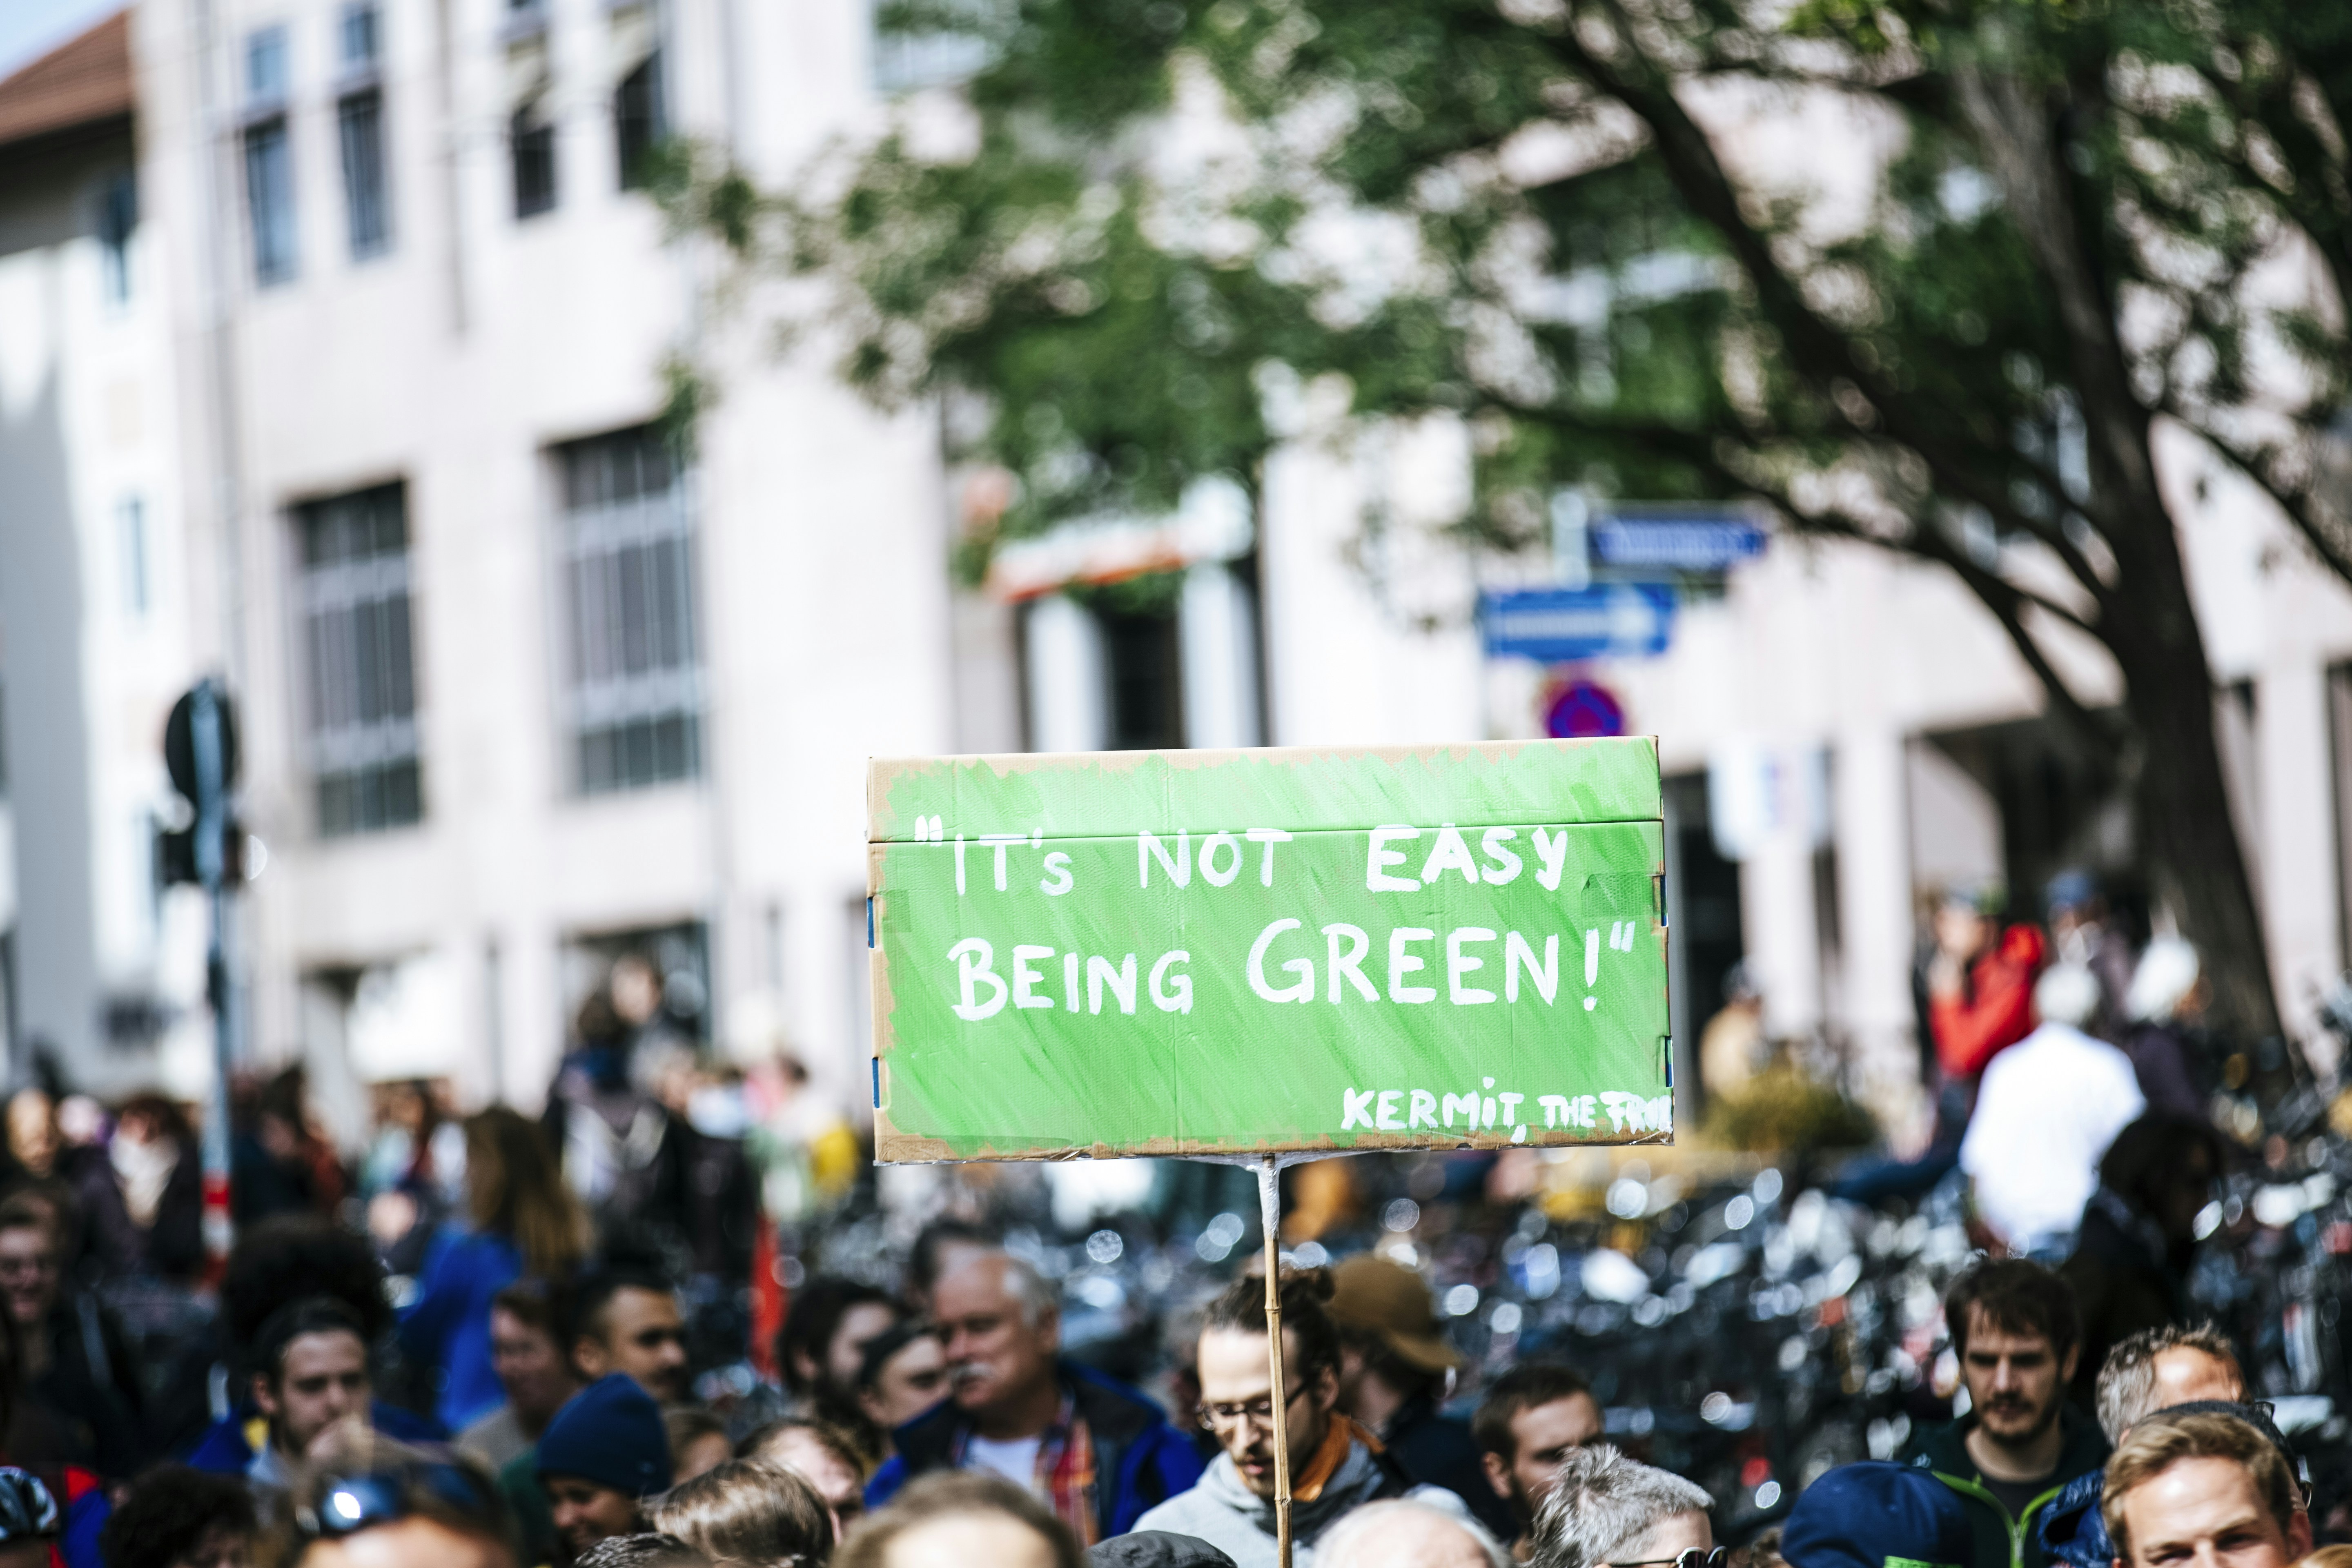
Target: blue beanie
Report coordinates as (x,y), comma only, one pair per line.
(1875,1515)
(611,1432)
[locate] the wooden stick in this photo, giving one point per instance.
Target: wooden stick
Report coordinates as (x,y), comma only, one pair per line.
(1270,1204)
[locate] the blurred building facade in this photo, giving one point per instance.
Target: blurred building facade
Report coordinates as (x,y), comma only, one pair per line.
(336,340)
(519,691)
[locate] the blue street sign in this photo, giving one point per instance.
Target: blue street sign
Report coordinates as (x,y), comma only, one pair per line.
(1700,539)
(1558,625)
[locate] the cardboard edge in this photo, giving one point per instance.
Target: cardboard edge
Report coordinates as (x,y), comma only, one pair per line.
(883,772)
(895,1148)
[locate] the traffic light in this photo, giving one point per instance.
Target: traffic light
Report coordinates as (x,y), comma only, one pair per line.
(203,766)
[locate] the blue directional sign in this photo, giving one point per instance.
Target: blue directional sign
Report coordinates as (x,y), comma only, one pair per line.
(1558,625)
(1697,540)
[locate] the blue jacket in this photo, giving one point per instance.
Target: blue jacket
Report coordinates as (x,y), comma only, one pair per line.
(447,1327)
(2072,1530)
(1140,1461)
(224,1450)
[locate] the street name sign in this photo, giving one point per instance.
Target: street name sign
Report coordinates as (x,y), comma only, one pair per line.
(1697,541)
(1273,950)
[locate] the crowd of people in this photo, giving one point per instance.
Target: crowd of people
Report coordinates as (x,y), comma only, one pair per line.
(489,1339)
(946,1424)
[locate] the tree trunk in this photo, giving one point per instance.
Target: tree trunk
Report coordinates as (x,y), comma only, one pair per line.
(2191,843)
(2189,837)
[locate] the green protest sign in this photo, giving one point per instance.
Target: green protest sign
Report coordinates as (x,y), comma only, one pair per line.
(1182,952)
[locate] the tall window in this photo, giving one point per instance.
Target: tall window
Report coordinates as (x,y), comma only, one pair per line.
(638,122)
(533,137)
(130,525)
(268,158)
(359,116)
(118,215)
(362,741)
(634,706)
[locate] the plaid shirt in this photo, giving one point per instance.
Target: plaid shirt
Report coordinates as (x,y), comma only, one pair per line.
(1066,1469)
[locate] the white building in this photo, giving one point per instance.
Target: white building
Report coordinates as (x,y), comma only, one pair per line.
(332,341)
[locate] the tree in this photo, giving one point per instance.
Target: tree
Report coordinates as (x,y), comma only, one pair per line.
(2079,220)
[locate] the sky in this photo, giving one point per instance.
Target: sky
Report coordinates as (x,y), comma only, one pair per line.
(31,28)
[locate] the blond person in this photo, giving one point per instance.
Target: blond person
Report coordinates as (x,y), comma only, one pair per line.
(961,1519)
(2192,1489)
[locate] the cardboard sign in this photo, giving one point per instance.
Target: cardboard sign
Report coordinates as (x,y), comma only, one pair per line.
(1181,952)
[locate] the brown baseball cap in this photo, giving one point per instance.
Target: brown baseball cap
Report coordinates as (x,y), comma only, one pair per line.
(1372,1295)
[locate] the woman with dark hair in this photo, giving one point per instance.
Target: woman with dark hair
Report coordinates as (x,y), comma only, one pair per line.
(520,1220)
(2130,1267)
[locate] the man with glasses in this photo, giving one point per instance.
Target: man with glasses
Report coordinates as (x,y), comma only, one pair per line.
(1608,1512)
(1336,1465)
(1533,1417)
(1095,1452)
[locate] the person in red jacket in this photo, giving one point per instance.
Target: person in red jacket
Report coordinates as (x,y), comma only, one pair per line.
(1979,984)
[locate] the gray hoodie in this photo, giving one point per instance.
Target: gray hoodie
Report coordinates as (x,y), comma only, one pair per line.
(1227,1514)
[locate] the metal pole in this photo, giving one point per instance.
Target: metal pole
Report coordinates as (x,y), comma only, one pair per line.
(212,871)
(1269,1206)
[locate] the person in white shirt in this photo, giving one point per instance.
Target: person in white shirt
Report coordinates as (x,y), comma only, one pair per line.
(2046,1110)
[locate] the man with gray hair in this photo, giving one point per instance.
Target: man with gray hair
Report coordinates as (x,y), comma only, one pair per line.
(2152,1371)
(1095,1452)
(1610,1511)
(2157,1369)
(1406,1534)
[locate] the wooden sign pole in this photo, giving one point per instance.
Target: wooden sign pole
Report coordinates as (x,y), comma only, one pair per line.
(1270,1204)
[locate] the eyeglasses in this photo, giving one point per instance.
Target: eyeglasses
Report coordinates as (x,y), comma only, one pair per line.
(1259,1410)
(1693,1558)
(349,1504)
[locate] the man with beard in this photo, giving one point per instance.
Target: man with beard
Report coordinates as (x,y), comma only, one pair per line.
(2014,1330)
(1532,1418)
(1095,1452)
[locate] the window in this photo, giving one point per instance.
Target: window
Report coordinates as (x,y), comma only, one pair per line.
(533,137)
(359,116)
(118,215)
(361,741)
(268,158)
(1147,702)
(360,28)
(131,527)
(627,545)
(265,69)
(637,123)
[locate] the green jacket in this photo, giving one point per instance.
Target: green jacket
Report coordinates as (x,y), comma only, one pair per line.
(2003,1540)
